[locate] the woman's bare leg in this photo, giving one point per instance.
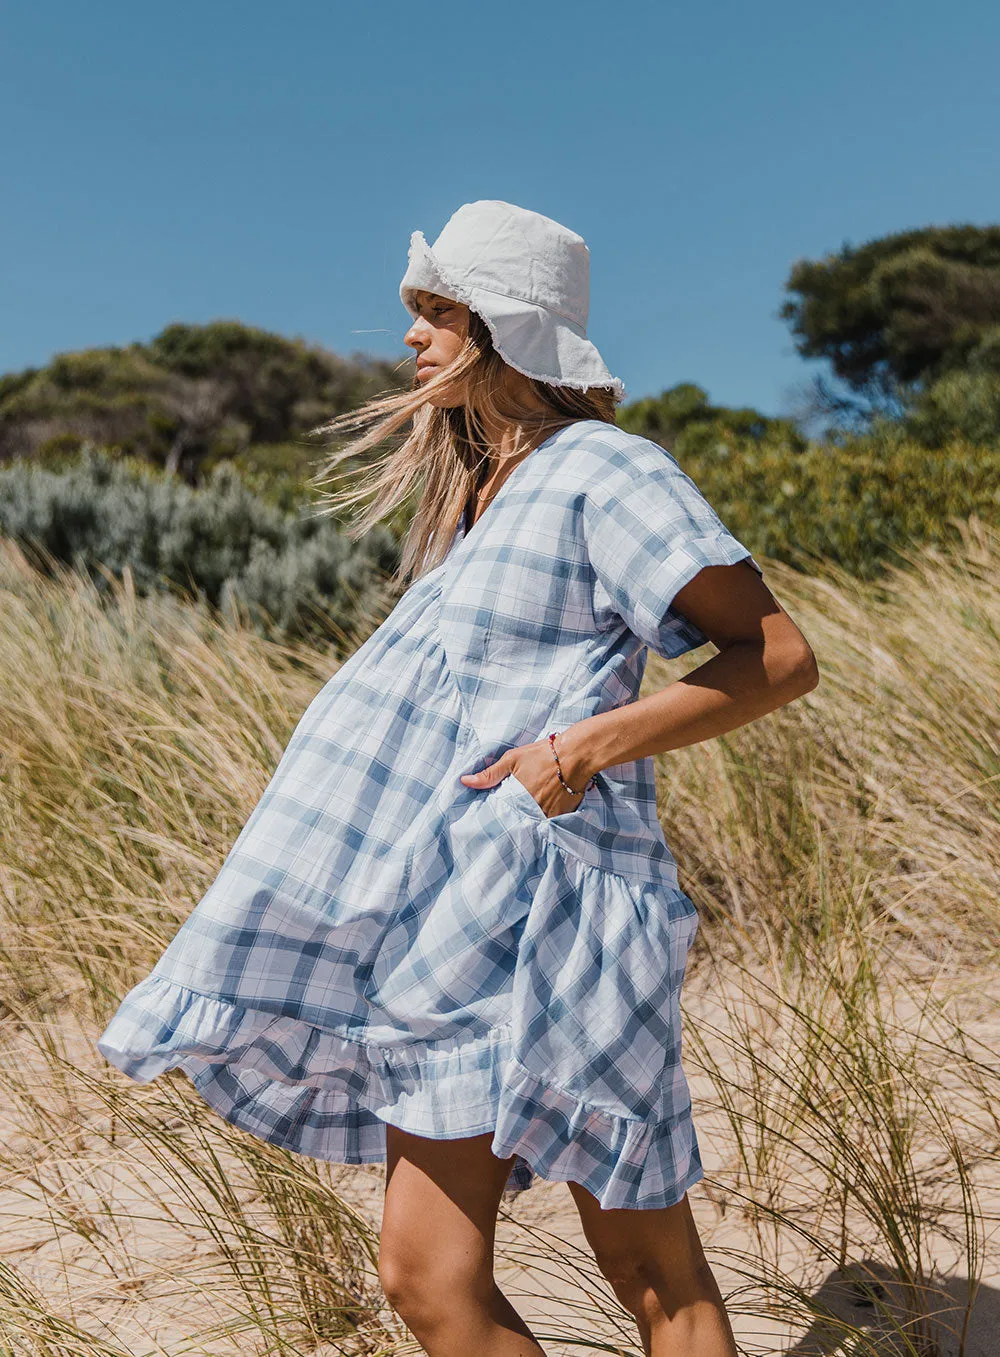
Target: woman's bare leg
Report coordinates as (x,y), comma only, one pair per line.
(436,1253)
(654,1261)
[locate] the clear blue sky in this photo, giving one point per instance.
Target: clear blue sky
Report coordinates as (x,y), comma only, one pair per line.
(267,162)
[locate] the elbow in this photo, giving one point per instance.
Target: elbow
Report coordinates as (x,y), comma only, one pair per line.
(794,669)
(803,670)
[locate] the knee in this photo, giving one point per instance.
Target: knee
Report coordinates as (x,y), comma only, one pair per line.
(636,1281)
(408,1288)
(642,1286)
(423,1296)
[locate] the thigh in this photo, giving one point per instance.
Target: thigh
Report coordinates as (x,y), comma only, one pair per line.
(441,1203)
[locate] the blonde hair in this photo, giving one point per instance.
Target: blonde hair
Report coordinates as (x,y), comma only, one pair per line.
(445,456)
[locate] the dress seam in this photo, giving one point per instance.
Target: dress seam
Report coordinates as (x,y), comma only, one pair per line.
(446,659)
(630,883)
(593,1108)
(389,1052)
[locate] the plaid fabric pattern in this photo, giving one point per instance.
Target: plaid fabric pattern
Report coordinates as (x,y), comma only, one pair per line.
(384,945)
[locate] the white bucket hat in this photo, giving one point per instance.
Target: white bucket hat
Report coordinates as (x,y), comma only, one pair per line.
(527,277)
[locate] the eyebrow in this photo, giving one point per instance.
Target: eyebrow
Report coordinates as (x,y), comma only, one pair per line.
(433,299)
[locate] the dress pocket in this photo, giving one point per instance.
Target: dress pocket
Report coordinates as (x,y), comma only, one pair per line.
(519,795)
(607,830)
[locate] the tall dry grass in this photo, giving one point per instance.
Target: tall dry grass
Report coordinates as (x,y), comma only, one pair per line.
(841,1015)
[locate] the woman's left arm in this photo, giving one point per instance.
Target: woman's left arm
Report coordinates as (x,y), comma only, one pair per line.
(763,662)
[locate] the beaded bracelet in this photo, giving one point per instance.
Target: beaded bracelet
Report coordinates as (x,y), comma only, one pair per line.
(566,786)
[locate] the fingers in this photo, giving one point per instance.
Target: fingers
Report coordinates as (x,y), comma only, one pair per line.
(491,775)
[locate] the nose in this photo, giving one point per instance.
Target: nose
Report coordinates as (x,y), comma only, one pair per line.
(417,336)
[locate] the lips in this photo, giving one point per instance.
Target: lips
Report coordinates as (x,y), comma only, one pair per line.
(424,368)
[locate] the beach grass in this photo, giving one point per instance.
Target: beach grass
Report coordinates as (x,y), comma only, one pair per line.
(841,1011)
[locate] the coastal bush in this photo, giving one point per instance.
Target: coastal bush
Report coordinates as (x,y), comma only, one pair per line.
(862,503)
(293,574)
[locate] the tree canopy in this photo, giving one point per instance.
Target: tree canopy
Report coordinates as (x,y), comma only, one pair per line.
(902,311)
(193,395)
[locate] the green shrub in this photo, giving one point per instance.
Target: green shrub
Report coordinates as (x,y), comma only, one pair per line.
(964,403)
(862,503)
(684,420)
(293,573)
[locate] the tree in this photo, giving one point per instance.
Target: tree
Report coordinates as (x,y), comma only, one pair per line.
(277,387)
(192,396)
(895,315)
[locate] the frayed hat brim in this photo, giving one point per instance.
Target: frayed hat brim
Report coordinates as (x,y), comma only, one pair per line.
(532,339)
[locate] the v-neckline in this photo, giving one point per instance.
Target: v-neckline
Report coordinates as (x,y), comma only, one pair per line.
(468,530)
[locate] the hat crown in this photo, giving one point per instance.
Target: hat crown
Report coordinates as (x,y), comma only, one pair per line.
(517,253)
(527,277)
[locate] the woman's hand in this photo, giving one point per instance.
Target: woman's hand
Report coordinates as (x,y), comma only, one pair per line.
(535,768)
(763,662)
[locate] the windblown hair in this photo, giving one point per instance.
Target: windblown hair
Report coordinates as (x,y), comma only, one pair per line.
(445,456)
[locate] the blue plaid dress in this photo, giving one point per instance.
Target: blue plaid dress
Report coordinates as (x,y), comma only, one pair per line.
(384,944)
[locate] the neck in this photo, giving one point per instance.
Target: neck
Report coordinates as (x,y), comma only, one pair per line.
(505,436)
(502,463)
(509,444)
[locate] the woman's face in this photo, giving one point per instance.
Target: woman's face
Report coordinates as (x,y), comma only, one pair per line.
(437,334)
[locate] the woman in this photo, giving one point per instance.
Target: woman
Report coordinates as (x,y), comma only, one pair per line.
(450,935)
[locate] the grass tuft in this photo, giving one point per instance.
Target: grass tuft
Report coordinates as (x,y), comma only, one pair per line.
(841,1011)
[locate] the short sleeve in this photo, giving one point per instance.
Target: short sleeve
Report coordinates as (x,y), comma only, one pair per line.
(649,530)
